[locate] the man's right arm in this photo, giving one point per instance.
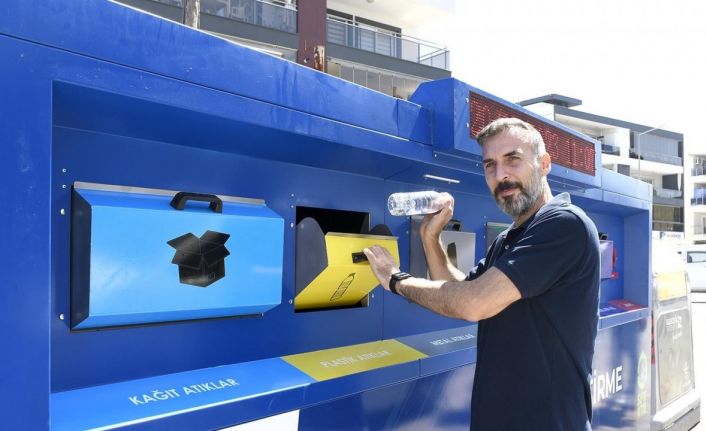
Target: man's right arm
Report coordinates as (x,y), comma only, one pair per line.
(440,267)
(438,262)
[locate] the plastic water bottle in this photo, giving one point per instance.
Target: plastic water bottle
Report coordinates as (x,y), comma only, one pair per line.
(413,203)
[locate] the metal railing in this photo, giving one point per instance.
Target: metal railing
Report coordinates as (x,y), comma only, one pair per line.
(272,14)
(698,170)
(667,193)
(380,41)
(610,149)
(657,157)
(699,197)
(668,226)
(178,3)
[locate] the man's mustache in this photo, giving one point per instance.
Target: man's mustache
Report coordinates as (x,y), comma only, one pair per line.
(506,185)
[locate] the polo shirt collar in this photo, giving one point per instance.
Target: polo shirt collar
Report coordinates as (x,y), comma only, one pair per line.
(560,200)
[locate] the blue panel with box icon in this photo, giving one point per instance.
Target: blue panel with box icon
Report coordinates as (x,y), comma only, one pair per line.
(142,258)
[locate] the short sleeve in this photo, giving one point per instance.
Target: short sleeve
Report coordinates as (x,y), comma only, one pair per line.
(477,271)
(547,250)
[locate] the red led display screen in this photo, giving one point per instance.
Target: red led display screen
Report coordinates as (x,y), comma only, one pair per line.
(564,148)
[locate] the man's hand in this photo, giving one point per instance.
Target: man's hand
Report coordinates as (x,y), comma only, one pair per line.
(382,264)
(433,224)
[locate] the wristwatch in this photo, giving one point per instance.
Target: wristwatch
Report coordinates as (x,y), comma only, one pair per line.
(396,278)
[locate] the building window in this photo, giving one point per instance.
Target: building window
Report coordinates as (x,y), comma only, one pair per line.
(667,218)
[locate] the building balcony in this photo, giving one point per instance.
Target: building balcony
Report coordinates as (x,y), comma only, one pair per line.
(699,197)
(368,38)
(698,174)
(699,233)
(669,197)
(667,226)
(657,157)
(278,15)
(610,149)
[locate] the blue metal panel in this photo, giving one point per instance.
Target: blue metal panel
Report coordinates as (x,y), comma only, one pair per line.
(613,226)
(154,398)
(621,378)
(441,401)
(445,341)
(114,33)
(638,265)
(221,122)
(448,101)
(623,184)
(25,281)
(414,122)
(626,201)
(447,349)
(101,158)
(134,280)
(622,317)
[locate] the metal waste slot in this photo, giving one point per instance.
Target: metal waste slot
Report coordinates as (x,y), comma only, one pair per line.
(331,269)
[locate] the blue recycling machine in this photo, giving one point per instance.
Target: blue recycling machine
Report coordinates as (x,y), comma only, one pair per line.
(183,219)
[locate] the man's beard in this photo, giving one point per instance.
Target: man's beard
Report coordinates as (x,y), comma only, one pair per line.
(517,206)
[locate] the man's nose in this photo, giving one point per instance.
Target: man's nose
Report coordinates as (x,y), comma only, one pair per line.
(501,174)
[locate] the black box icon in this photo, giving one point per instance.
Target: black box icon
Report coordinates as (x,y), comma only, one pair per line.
(200,260)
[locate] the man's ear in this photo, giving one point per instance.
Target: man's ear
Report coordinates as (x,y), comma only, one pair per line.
(546,162)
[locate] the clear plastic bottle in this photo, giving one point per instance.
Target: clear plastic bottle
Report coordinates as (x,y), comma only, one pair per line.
(413,203)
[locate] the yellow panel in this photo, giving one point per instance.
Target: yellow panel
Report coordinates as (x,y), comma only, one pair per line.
(344,283)
(670,285)
(344,361)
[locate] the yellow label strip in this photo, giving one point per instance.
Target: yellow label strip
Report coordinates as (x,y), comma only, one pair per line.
(343,361)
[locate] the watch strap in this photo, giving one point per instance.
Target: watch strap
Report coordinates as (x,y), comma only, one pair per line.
(396,278)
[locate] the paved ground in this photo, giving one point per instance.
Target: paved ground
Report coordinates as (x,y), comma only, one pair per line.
(698,308)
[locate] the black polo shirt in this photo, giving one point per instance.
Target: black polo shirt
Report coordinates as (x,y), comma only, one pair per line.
(534,357)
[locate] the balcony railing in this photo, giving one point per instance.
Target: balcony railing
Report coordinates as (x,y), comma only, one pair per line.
(657,157)
(698,170)
(667,193)
(279,15)
(699,197)
(345,32)
(610,149)
(699,230)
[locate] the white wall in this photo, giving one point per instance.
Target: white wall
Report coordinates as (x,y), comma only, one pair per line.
(409,15)
(618,137)
(546,110)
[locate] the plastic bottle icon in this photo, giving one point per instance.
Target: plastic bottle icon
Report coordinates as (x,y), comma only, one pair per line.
(413,203)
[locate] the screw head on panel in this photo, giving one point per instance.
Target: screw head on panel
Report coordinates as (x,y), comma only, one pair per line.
(62,211)
(61,316)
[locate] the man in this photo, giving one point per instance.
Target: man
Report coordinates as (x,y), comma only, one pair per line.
(535,295)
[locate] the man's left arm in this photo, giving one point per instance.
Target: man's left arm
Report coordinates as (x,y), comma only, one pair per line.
(473,300)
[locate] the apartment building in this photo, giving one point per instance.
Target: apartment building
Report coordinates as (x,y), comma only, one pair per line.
(363,41)
(696,197)
(648,153)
